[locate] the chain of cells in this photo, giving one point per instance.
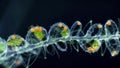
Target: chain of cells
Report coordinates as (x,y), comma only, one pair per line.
(17,51)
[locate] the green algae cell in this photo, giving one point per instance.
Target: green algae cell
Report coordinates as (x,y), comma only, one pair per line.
(94,43)
(15,40)
(39,35)
(64,33)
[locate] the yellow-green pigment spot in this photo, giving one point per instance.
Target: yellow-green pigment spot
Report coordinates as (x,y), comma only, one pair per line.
(15,42)
(39,35)
(94,43)
(2,47)
(64,33)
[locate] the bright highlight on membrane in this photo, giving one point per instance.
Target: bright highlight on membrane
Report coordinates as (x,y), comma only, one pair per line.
(18,51)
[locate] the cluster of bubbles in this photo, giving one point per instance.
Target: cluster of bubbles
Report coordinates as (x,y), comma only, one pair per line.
(17,50)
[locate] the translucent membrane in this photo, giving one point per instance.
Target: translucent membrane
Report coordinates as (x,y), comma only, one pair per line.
(39,42)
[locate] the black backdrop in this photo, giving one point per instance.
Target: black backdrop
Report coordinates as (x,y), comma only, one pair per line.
(17,15)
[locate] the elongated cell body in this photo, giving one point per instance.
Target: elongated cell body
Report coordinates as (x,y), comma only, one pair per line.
(113,45)
(76,30)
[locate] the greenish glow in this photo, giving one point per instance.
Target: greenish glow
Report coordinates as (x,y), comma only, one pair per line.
(39,35)
(95,43)
(2,47)
(64,33)
(15,42)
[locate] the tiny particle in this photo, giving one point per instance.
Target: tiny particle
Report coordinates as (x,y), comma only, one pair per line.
(99,26)
(114,52)
(60,25)
(78,23)
(109,23)
(38,29)
(32,30)
(65,28)
(13,37)
(22,39)
(17,62)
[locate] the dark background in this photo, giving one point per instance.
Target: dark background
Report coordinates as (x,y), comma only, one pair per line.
(16,16)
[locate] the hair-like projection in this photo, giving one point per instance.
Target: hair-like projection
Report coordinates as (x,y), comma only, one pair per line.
(17,50)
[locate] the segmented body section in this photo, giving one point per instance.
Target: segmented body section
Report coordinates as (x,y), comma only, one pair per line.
(39,42)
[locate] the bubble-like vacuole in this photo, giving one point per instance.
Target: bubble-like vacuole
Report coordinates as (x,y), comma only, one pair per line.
(59,30)
(113,45)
